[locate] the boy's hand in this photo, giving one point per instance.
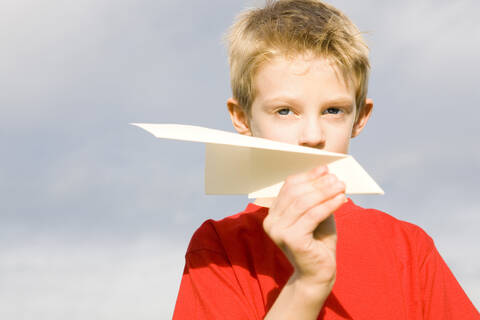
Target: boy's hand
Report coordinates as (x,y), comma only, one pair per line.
(301,223)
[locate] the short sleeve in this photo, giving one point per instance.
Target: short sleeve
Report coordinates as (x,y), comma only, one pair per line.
(209,289)
(443,297)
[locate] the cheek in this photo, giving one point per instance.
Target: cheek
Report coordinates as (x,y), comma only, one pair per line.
(272,131)
(337,140)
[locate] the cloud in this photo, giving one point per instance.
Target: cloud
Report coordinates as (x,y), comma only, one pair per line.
(51,280)
(99,212)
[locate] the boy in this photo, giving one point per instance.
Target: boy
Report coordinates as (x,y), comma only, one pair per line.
(299,74)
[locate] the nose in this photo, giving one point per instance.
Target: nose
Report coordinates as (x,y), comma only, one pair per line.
(312,134)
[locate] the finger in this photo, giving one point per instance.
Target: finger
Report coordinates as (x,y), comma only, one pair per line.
(325,188)
(291,189)
(274,222)
(316,215)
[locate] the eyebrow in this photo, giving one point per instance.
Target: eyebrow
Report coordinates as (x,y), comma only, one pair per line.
(337,101)
(281,99)
(340,101)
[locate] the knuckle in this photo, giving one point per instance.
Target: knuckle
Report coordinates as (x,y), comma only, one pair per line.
(291,192)
(335,202)
(331,180)
(317,214)
(323,182)
(267,224)
(288,240)
(313,214)
(290,181)
(276,236)
(287,189)
(300,204)
(321,194)
(272,230)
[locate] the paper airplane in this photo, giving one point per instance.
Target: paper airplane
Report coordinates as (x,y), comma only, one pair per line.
(239,164)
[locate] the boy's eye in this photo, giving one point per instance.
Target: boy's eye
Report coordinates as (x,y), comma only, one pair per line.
(284,111)
(332,111)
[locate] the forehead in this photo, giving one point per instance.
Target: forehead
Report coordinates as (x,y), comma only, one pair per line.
(301,75)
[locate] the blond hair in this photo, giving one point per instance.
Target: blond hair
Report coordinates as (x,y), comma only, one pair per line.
(289,28)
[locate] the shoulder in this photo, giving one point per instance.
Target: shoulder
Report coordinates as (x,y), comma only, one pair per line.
(376,220)
(215,235)
(383,229)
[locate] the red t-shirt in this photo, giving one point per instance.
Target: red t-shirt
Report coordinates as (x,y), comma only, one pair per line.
(386,269)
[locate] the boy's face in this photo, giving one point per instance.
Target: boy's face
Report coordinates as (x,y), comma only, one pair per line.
(304,101)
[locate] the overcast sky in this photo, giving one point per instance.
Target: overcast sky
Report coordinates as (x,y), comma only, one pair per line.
(96,215)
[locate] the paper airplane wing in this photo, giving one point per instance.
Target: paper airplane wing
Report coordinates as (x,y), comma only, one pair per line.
(238,164)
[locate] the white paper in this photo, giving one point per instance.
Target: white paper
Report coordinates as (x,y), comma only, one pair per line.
(239,164)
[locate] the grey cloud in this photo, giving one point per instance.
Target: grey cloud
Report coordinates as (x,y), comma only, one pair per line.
(72,171)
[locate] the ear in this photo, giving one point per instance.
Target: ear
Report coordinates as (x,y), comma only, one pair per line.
(239,117)
(362,118)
